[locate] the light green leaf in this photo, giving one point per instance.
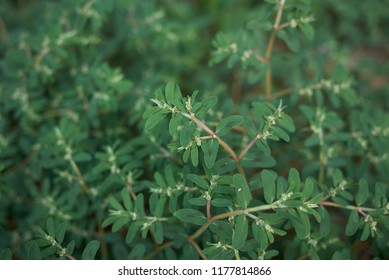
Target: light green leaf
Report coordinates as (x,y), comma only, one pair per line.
(50,227)
(294,180)
(81,157)
(114,203)
(137,252)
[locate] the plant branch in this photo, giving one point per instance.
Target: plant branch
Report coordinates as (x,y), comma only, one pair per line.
(349,207)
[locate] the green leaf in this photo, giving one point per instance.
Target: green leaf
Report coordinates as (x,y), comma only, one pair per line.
(260,235)
(172,92)
(60,232)
(352,224)
(224,165)
(280,133)
(120,222)
(301,225)
(366,232)
(70,247)
(90,250)
(191,216)
(6,254)
(81,157)
(363,192)
(34,253)
(114,203)
(307,190)
(171,181)
(50,227)
(137,252)
(208,103)
(258,161)
(240,232)
(126,199)
(242,191)
(308,31)
(198,201)
(194,155)
(157,230)
(174,123)
(159,179)
(199,181)
(226,124)
(153,120)
(287,123)
(290,39)
(139,205)
(294,180)
(325,224)
(221,202)
(210,149)
(160,207)
(269,186)
(187,132)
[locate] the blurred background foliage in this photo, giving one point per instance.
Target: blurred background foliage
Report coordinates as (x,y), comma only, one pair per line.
(76,76)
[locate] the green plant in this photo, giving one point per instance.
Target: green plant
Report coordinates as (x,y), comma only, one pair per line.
(291,164)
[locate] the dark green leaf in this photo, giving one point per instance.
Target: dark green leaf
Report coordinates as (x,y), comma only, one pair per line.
(352,224)
(226,124)
(191,216)
(90,250)
(363,192)
(240,232)
(137,252)
(242,191)
(199,181)
(269,186)
(210,149)
(221,202)
(6,254)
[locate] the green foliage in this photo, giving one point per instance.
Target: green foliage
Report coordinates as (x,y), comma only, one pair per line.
(281,153)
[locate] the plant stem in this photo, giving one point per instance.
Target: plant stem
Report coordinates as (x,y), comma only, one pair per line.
(349,207)
(231,214)
(269,48)
(221,142)
(70,257)
(198,249)
(249,146)
(208,209)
